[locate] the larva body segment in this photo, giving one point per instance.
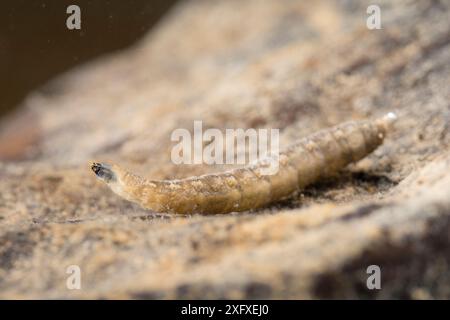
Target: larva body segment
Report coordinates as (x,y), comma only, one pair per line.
(319,155)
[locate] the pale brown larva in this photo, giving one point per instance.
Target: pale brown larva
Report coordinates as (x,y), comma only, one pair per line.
(304,162)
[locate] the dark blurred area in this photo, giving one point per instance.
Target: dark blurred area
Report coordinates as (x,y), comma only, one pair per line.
(36,45)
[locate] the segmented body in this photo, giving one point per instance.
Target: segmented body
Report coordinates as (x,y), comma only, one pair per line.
(304,162)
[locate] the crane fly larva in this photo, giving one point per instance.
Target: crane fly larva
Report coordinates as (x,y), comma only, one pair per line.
(302,163)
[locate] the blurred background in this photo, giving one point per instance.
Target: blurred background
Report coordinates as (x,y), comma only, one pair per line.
(36,46)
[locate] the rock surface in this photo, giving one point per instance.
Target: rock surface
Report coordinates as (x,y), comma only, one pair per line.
(294,65)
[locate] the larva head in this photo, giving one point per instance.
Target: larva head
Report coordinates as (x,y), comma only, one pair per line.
(104,172)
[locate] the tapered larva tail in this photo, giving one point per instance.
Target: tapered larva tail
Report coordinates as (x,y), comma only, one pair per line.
(304,162)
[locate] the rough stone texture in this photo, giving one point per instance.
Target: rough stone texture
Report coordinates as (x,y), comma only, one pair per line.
(295,65)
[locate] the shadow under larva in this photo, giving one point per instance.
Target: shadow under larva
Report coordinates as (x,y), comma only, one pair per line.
(304,162)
